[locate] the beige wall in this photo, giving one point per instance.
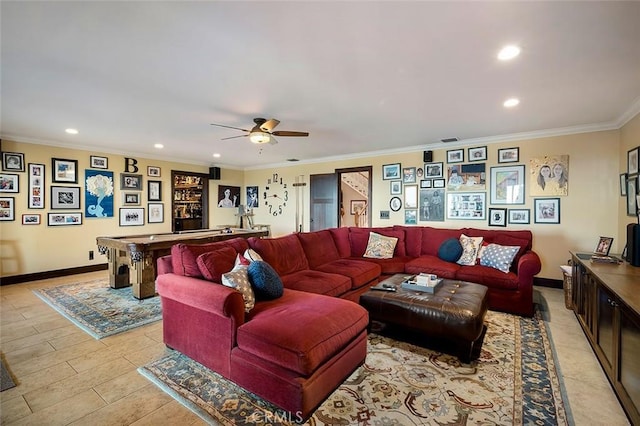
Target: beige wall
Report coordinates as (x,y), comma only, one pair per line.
(592,208)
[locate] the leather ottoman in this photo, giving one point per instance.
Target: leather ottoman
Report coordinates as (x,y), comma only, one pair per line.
(454,313)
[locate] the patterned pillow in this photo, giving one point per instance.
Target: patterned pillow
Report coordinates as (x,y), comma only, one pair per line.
(252,255)
(470,248)
(499,257)
(380,246)
(238,278)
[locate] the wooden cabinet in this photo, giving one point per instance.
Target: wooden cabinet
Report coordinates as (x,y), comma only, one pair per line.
(189,201)
(606,301)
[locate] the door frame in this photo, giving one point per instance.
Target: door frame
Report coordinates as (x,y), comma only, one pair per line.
(339,172)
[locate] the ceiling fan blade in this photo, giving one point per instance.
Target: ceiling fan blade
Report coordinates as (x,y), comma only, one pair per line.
(272,140)
(229,127)
(233,137)
(269,125)
(289,133)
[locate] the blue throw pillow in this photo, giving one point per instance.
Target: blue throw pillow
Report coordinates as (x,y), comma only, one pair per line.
(265,281)
(450,250)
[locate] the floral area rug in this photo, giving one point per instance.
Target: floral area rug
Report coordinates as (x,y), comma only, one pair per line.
(99,309)
(513,382)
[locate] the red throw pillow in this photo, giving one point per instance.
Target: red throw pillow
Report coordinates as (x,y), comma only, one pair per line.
(213,264)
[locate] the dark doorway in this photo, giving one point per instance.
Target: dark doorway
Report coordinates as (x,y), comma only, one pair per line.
(323,191)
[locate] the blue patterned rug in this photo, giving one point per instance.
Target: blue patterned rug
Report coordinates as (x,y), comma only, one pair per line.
(513,382)
(99,309)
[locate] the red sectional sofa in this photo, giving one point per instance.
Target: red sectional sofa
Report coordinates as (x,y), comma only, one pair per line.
(295,350)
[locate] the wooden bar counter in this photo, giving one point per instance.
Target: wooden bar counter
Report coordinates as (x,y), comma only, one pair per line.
(132,259)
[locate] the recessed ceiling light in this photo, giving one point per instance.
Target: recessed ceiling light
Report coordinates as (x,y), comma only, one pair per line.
(71,131)
(158,145)
(510,103)
(508,52)
(216,155)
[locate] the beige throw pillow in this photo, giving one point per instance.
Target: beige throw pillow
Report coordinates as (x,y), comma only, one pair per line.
(380,246)
(470,248)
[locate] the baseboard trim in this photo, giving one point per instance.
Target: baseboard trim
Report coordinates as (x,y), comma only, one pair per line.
(17,279)
(547,282)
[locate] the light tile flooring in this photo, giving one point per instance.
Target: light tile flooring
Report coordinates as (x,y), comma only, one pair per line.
(67,377)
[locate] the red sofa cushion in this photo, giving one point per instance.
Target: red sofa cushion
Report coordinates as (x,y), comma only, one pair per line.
(318,247)
(341,240)
(184,256)
(300,331)
(412,239)
(395,265)
(488,276)
(213,264)
(432,265)
(359,271)
(284,254)
(359,237)
(432,238)
(317,282)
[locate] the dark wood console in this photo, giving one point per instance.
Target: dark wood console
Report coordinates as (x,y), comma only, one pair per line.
(606,301)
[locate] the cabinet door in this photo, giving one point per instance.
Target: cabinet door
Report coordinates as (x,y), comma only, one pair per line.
(605,336)
(629,371)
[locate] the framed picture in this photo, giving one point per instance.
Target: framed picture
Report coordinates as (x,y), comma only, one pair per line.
(155,213)
(632,160)
(477,154)
(131,217)
(358,206)
(419,172)
(623,184)
(433,170)
(62,219)
(98,162)
(508,155)
(439,183)
(431,205)
(391,171)
(130,198)
(98,193)
(411,196)
(632,191)
(409,175)
(411,217)
(153,171)
(603,247)
(64,171)
(12,162)
(155,190)
(395,187)
(549,175)
(7,208)
(507,185)
(35,197)
(9,182)
(519,216)
(455,156)
(425,183)
(546,210)
(65,197)
(467,177)
(395,203)
(31,219)
(252,197)
(497,217)
(130,182)
(469,205)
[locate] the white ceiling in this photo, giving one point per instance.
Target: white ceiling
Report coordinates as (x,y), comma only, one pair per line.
(359,76)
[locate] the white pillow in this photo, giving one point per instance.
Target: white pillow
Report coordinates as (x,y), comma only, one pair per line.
(252,255)
(499,257)
(380,246)
(470,248)
(238,278)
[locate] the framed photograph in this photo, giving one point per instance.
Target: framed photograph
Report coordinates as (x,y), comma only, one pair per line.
(130,198)
(419,172)
(155,190)
(466,205)
(425,183)
(12,162)
(433,170)
(632,160)
(9,182)
(439,183)
(519,216)
(130,182)
(411,217)
(467,177)
(603,247)
(623,184)
(64,171)
(431,205)
(31,219)
(395,203)
(409,175)
(131,217)
(508,155)
(549,175)
(62,219)
(358,206)
(153,171)
(477,154)
(455,156)
(391,171)
(497,217)
(632,191)
(411,196)
(395,187)
(155,213)
(7,208)
(507,185)
(35,197)
(65,197)
(546,210)
(98,162)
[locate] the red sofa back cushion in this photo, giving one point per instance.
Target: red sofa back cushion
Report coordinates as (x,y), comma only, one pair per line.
(359,237)
(432,238)
(213,264)
(412,239)
(284,254)
(341,240)
(184,256)
(318,247)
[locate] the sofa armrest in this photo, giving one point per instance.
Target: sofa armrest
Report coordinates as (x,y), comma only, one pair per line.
(528,266)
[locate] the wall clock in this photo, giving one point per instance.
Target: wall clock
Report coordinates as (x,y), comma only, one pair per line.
(276,195)
(395,203)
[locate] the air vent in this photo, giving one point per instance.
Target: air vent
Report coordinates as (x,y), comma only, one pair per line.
(445,140)
(292,159)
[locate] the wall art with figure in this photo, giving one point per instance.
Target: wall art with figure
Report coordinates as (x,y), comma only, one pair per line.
(228,196)
(431,205)
(549,175)
(98,197)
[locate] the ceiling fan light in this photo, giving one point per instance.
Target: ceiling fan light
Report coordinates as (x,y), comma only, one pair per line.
(260,137)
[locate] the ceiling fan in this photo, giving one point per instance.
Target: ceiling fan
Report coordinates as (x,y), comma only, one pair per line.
(263,132)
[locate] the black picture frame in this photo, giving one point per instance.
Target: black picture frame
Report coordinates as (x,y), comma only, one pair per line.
(7,209)
(633,160)
(155,213)
(131,216)
(395,204)
(12,162)
(509,155)
(519,216)
(97,162)
(154,190)
(455,156)
(64,219)
(64,170)
(497,217)
(434,170)
(478,153)
(623,184)
(632,191)
(603,246)
(130,182)
(546,210)
(9,182)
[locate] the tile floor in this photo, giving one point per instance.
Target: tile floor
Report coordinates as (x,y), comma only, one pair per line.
(68,378)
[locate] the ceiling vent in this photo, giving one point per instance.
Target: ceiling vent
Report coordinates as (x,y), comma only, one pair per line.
(446,140)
